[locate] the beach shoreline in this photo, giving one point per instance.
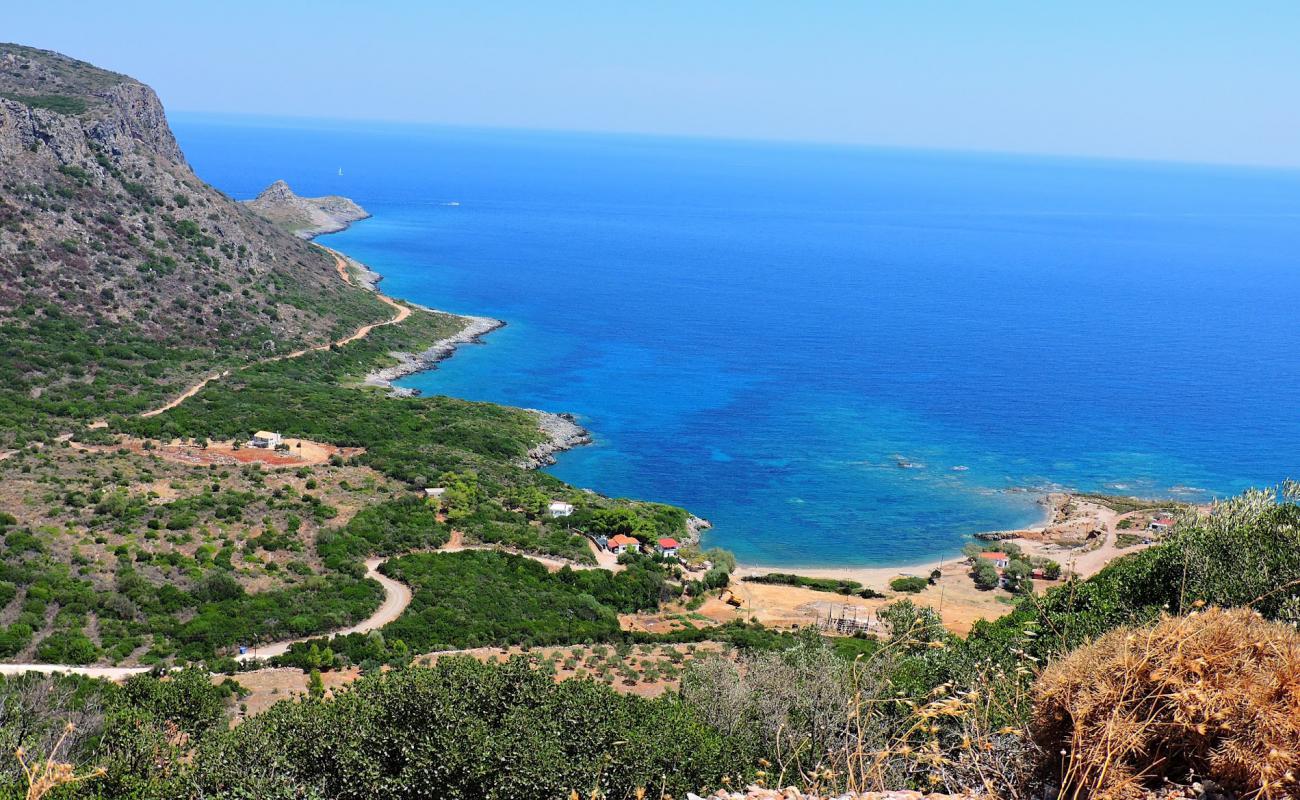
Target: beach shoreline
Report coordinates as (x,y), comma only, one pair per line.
(1066,515)
(562,433)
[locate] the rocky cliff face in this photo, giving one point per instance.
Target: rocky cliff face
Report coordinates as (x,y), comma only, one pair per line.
(116,114)
(109,239)
(306,217)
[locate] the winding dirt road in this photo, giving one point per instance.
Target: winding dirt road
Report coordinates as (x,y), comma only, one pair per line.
(397,595)
(400,312)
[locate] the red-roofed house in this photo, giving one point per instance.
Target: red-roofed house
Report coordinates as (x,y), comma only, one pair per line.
(667,547)
(622,543)
(1000,560)
(1161,524)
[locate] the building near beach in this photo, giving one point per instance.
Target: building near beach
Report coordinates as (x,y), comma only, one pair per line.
(667,547)
(560,509)
(1161,524)
(1000,560)
(266,439)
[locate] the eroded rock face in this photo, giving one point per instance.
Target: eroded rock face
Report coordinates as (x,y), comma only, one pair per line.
(135,119)
(306,216)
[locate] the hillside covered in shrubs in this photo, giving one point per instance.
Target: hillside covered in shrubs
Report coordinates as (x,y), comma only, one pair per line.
(1094,690)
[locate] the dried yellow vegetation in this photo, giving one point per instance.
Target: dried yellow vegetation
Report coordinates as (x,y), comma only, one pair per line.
(1215,694)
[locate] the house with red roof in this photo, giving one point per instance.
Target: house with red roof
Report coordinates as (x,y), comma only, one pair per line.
(667,547)
(622,543)
(1000,560)
(1161,524)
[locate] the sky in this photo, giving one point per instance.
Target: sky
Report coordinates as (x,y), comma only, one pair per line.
(1191,80)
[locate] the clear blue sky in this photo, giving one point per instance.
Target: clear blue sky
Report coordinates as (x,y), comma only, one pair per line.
(1186,80)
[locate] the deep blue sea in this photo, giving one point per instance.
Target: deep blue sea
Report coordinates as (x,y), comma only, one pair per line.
(765,333)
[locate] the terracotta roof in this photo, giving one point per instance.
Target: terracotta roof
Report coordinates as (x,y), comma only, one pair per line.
(667,542)
(994,556)
(622,539)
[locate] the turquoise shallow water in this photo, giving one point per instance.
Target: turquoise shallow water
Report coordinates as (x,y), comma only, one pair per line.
(765,332)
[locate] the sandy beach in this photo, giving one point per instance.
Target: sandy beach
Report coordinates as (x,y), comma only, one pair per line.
(1079,533)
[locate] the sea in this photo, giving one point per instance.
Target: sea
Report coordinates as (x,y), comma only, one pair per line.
(838,355)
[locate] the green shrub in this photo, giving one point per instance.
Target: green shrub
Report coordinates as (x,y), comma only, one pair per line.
(910,584)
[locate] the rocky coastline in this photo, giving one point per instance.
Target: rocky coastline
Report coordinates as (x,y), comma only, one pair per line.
(562,433)
(694,527)
(363,275)
(409,363)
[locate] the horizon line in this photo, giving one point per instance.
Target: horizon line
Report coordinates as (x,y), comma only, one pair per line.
(725,138)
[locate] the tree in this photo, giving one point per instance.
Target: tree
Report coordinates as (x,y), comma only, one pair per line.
(985,575)
(1017,577)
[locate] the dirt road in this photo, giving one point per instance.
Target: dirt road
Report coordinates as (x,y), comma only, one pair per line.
(400,312)
(397,596)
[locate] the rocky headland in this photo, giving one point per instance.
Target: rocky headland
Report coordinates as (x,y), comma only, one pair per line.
(562,433)
(305,217)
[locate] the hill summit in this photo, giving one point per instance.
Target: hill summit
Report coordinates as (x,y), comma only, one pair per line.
(122,274)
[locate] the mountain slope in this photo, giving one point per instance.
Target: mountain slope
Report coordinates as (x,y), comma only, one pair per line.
(122,274)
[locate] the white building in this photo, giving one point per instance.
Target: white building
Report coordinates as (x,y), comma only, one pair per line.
(1000,560)
(560,509)
(267,439)
(436,493)
(621,543)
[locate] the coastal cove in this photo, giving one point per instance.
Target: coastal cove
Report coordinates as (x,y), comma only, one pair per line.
(816,390)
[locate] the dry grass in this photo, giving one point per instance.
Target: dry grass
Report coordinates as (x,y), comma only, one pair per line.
(44,775)
(1212,695)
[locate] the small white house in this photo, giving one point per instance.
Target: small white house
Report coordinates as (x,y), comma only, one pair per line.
(1161,524)
(1000,560)
(667,547)
(621,543)
(435,494)
(267,439)
(560,509)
